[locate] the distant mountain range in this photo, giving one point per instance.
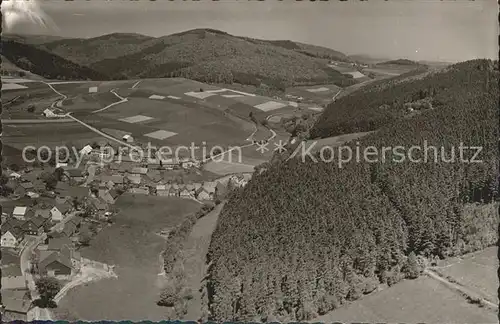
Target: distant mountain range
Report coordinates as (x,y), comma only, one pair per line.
(205,55)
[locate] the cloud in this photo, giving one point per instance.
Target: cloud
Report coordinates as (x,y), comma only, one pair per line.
(22,11)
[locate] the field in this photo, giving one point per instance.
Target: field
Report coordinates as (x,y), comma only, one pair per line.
(388,69)
(319,94)
(58,134)
(130,244)
(422,300)
(476,271)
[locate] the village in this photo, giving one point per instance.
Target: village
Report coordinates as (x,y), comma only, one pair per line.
(50,210)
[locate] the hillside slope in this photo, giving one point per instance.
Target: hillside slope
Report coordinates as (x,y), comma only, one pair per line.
(48,65)
(305,236)
(86,51)
(205,55)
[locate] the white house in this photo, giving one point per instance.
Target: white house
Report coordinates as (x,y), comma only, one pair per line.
(56,215)
(92,89)
(14,175)
(19,212)
(11,238)
(86,150)
(49,113)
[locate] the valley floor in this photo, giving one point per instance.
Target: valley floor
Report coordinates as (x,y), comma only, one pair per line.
(133,247)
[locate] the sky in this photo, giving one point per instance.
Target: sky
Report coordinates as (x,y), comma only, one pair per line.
(419,30)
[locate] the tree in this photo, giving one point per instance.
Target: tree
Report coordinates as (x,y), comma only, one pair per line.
(84,239)
(411,269)
(168,297)
(47,287)
(31,108)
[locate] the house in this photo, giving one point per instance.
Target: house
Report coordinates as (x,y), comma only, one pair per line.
(134,178)
(210,186)
(127,138)
(57,243)
(99,205)
(109,196)
(45,213)
(203,194)
(86,150)
(139,170)
(58,212)
(75,256)
(12,278)
(34,226)
(16,306)
(190,188)
(77,220)
(184,193)
(115,179)
(55,263)
(19,212)
(174,192)
(140,191)
(75,174)
(14,176)
(11,236)
(69,229)
(32,195)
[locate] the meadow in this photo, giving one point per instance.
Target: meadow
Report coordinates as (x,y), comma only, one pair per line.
(133,247)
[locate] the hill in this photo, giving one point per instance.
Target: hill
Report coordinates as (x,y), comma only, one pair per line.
(204,55)
(305,236)
(48,65)
(31,38)
(86,51)
(399,62)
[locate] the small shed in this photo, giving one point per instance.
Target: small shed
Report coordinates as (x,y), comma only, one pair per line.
(128,138)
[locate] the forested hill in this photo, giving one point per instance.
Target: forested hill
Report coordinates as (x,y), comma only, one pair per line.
(303,237)
(48,65)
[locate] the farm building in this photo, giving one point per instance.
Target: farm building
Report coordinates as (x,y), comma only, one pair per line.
(128,138)
(86,150)
(12,278)
(55,263)
(48,113)
(16,306)
(19,212)
(92,89)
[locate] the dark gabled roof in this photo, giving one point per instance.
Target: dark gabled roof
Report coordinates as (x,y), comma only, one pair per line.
(54,257)
(77,220)
(16,231)
(30,226)
(56,244)
(16,301)
(63,208)
(114,193)
(38,221)
(44,213)
(27,185)
(69,228)
(13,223)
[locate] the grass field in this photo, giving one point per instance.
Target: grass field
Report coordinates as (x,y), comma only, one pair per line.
(132,245)
(422,300)
(59,134)
(476,271)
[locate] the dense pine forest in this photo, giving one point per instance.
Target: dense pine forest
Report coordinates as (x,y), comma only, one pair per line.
(302,238)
